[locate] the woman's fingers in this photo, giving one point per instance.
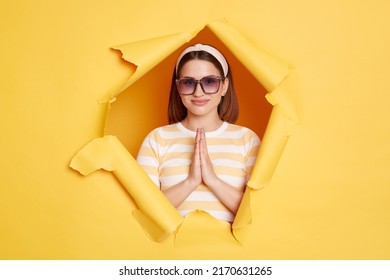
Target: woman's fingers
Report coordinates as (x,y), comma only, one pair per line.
(197,147)
(195,174)
(208,174)
(204,154)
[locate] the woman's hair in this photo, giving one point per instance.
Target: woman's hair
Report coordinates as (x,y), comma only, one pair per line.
(227,108)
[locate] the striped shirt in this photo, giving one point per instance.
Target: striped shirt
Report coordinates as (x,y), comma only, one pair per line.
(166,155)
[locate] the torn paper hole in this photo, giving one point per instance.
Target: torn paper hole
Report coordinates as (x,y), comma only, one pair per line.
(110,154)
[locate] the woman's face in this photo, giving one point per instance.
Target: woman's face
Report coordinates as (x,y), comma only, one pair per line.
(199,103)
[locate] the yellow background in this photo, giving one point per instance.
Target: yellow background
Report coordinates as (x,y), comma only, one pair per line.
(329,196)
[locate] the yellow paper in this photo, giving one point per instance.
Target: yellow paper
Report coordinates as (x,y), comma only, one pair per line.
(329,196)
(267,69)
(201,229)
(271,149)
(243,217)
(155,213)
(146,54)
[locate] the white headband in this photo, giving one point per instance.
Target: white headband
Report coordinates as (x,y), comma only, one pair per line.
(213,51)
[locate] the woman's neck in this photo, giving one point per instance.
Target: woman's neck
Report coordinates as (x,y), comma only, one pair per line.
(192,123)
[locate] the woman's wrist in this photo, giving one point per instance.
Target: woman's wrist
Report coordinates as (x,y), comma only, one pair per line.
(213,183)
(190,183)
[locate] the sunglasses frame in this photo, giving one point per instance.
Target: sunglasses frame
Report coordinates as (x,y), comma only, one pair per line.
(199,82)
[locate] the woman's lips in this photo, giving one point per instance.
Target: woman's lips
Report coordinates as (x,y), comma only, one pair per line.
(200,102)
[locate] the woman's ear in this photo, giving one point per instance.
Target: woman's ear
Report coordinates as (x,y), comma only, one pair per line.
(225,86)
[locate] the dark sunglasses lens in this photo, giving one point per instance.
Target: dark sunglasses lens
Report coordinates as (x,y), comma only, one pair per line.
(186,86)
(210,84)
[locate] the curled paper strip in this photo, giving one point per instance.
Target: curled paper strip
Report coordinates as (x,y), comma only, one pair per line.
(267,69)
(243,216)
(155,213)
(146,54)
(274,142)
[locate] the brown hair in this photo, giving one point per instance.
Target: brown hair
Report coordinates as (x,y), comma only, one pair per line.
(227,108)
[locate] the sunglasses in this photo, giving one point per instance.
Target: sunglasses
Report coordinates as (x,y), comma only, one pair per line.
(209,85)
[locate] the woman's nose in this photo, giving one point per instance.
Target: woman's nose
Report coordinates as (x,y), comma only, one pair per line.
(198,90)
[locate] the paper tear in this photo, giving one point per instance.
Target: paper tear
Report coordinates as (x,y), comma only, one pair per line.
(243,217)
(271,149)
(108,153)
(155,213)
(146,54)
(278,97)
(200,228)
(267,69)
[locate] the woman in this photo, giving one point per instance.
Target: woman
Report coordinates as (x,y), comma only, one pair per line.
(201,160)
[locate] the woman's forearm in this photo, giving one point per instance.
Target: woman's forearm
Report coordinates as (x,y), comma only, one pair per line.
(230,196)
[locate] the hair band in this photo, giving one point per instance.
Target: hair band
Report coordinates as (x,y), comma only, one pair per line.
(211,50)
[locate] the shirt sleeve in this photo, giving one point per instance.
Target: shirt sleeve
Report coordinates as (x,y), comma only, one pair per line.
(148,157)
(252,148)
